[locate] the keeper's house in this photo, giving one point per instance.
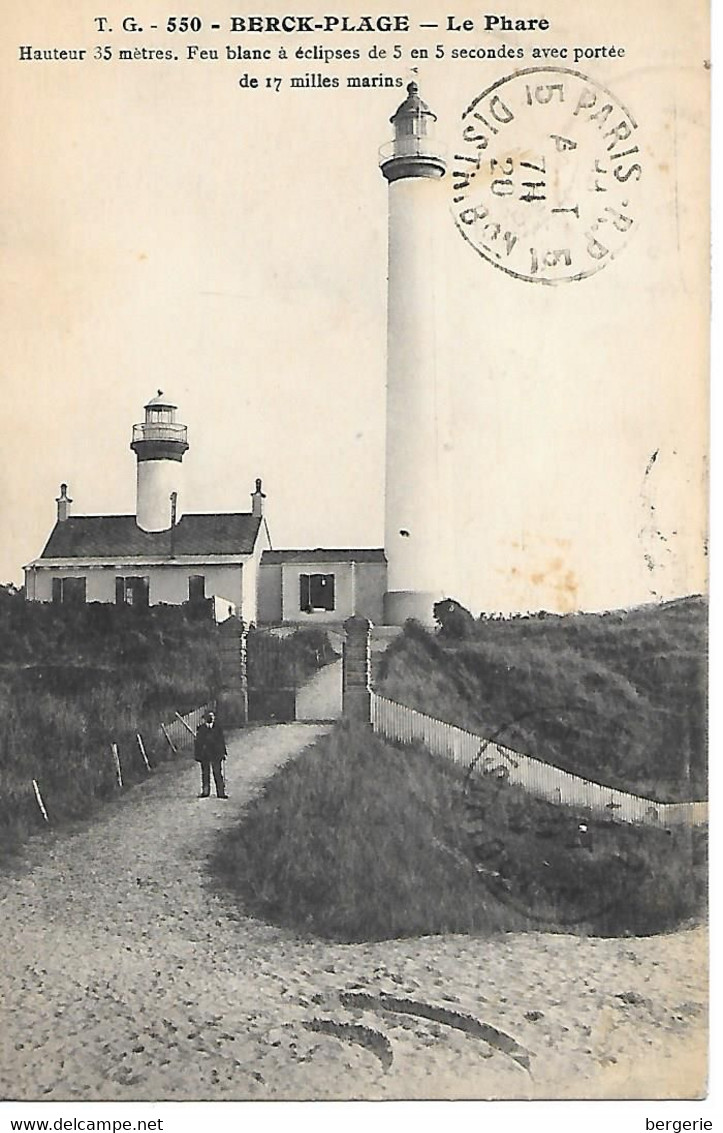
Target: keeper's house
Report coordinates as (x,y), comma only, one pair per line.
(159,555)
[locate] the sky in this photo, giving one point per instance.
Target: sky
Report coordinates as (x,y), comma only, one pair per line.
(164,227)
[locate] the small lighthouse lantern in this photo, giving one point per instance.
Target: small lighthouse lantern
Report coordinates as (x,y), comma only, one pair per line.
(414,152)
(160,424)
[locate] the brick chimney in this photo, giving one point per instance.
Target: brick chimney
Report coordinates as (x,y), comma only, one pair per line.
(257,500)
(63,501)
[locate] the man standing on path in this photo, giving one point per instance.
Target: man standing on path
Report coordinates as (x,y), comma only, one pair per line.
(210,752)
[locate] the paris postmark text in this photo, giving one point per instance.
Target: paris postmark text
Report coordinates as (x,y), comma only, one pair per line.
(545,179)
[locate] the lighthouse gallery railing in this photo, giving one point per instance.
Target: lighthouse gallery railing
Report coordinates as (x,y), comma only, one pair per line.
(411,146)
(165,432)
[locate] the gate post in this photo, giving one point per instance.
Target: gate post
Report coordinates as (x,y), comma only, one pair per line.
(356,688)
(233,702)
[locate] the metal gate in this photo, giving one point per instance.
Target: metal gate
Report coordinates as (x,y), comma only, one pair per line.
(272,672)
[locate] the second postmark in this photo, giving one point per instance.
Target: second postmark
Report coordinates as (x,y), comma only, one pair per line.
(546,176)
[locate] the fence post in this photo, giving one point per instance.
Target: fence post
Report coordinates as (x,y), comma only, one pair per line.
(170,741)
(142,747)
(39,800)
(356,690)
(233,697)
(116,761)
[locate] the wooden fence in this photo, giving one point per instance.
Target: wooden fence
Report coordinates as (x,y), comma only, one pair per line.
(179,735)
(398,723)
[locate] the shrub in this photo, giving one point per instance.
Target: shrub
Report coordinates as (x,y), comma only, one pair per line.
(454,621)
(354,840)
(313,649)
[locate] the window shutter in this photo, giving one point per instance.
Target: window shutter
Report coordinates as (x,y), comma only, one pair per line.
(120,591)
(57,590)
(304,592)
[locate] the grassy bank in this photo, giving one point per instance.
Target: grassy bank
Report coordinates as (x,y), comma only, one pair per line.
(618,697)
(75,680)
(359,840)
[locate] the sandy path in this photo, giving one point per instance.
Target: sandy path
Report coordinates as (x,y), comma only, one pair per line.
(125,976)
(320,697)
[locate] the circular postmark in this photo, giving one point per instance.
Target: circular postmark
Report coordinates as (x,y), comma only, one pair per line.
(546,176)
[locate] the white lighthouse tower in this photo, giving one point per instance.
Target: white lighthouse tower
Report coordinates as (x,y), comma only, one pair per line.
(159,444)
(414,504)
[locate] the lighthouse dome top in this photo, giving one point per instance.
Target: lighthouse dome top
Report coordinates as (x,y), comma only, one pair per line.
(160,401)
(413,106)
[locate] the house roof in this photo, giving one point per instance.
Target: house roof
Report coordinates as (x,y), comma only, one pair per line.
(325,555)
(116,536)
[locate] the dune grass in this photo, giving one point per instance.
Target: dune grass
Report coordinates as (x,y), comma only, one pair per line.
(359,840)
(356,841)
(619,698)
(75,680)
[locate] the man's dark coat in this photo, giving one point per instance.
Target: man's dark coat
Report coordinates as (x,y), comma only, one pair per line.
(210,746)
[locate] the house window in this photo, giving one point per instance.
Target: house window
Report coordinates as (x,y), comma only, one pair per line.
(196,588)
(70,591)
(316,592)
(131,590)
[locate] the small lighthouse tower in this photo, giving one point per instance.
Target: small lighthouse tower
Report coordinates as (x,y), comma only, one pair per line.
(159,444)
(413,537)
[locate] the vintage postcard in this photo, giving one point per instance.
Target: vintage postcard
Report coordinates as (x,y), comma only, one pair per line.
(354,552)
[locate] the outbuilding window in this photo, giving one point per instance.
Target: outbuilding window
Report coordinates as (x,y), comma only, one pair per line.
(316,592)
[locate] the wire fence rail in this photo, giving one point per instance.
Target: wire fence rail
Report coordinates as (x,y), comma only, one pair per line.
(405,725)
(179,733)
